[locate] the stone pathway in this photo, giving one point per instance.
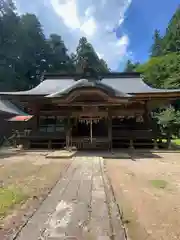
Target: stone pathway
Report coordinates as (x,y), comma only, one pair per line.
(80,207)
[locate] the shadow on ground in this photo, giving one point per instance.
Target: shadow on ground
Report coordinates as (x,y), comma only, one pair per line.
(133,155)
(8,152)
(124,154)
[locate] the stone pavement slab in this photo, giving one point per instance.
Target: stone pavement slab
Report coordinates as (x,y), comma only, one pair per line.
(80,207)
(61,154)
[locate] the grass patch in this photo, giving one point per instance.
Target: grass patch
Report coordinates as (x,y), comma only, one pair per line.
(8,198)
(33,181)
(157,183)
(176,141)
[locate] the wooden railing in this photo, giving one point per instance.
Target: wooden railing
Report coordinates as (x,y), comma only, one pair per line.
(28,134)
(132,134)
(38,139)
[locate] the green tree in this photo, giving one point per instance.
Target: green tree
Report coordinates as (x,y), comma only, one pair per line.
(60,61)
(172,37)
(162,72)
(6,7)
(34,51)
(25,52)
(169,121)
(85,51)
(130,66)
(104,65)
(162,69)
(9,24)
(157,47)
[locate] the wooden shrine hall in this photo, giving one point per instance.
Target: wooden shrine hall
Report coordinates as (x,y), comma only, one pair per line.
(88,112)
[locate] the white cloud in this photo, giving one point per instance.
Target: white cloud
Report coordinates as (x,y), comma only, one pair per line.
(123,41)
(100,55)
(67,11)
(94,19)
(89,27)
(89,11)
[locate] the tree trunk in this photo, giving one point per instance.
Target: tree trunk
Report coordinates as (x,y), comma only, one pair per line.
(169,139)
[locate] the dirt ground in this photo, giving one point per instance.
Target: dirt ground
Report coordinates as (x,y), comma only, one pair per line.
(147,187)
(30,174)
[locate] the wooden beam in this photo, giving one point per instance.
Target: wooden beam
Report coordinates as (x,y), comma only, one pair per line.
(146,113)
(156,96)
(110,131)
(68,133)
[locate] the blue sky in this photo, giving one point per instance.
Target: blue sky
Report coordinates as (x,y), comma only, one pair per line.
(142,18)
(133,21)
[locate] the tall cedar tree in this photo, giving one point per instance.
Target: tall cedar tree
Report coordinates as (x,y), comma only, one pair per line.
(85,51)
(162,69)
(130,66)
(9,46)
(59,60)
(157,47)
(172,37)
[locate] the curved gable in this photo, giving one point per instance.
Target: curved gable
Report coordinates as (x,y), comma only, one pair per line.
(87,95)
(89,86)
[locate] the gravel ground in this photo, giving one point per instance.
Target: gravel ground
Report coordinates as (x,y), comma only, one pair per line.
(148,191)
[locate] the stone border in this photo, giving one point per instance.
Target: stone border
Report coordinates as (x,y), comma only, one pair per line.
(120,210)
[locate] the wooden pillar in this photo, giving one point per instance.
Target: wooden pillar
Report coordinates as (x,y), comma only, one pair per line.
(146,114)
(131,144)
(50,144)
(36,113)
(91,136)
(169,145)
(155,144)
(37,121)
(68,133)
(110,132)
(151,125)
(26,144)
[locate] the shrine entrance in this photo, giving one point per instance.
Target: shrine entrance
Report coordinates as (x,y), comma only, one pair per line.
(90,133)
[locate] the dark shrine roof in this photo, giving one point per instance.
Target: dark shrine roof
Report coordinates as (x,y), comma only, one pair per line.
(134,85)
(119,84)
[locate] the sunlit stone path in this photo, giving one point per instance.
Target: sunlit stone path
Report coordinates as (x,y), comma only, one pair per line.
(81,206)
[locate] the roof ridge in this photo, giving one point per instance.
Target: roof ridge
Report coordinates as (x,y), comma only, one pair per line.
(77,76)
